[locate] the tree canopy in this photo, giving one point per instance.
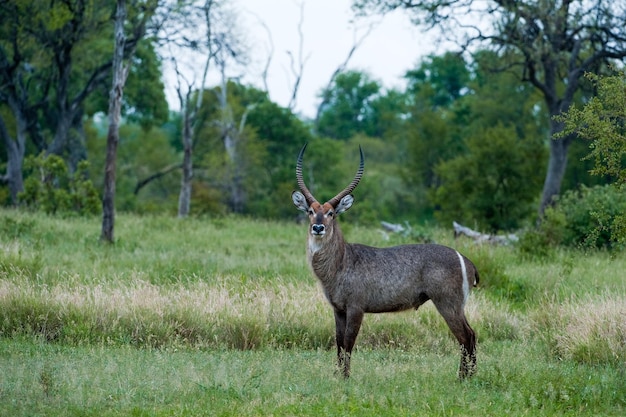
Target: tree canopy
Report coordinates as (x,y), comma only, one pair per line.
(468,136)
(552,42)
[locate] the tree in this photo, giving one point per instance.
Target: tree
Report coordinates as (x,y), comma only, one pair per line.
(491,184)
(432,130)
(191,32)
(281,134)
(52,60)
(348,105)
(19,82)
(442,78)
(230,150)
(473,141)
(555,42)
(120,72)
(603,122)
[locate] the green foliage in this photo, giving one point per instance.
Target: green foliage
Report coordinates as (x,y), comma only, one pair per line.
(140,153)
(541,243)
(495,280)
(479,161)
(222,317)
(602,120)
(347,106)
(444,79)
(592,217)
(491,184)
(51,188)
(144,92)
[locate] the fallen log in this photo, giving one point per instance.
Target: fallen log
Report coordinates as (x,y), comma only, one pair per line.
(482,237)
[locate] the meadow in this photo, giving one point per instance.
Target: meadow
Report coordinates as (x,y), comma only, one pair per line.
(221,317)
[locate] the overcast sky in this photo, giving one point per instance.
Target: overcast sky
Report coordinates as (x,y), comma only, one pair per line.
(392,47)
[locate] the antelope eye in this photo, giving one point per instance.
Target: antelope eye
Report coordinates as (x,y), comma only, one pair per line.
(331,213)
(311,212)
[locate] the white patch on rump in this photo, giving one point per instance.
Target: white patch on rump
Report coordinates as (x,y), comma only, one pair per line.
(465,282)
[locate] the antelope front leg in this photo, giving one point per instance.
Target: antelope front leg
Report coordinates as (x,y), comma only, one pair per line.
(354,318)
(340,331)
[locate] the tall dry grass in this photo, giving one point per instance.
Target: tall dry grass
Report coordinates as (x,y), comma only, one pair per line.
(226,316)
(243,284)
(587,329)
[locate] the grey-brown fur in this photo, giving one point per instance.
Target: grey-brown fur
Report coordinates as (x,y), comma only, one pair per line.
(359,279)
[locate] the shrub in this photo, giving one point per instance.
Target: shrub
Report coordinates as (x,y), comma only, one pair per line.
(493,184)
(495,280)
(541,242)
(589,217)
(52,188)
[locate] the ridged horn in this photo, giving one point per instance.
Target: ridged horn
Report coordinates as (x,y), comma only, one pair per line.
(336,199)
(305,191)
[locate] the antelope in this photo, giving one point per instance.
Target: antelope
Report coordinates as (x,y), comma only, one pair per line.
(358,279)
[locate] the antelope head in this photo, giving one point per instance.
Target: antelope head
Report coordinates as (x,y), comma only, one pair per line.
(322,216)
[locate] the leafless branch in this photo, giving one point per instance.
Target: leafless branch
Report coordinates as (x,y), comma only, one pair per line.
(299,70)
(270,55)
(155,176)
(358,41)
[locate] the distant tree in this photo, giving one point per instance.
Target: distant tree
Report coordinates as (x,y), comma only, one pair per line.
(195,32)
(432,129)
(491,185)
(474,141)
(603,122)
(555,42)
(348,105)
(442,78)
(53,58)
(229,150)
(120,72)
(281,134)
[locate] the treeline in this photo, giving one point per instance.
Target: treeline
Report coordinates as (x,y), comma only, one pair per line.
(465,140)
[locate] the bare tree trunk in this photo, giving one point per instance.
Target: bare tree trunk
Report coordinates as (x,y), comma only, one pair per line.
(231,139)
(156,175)
(557,163)
(115,109)
(15,157)
(190,114)
(184,199)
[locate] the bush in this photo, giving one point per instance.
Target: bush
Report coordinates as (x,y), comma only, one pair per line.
(589,217)
(493,184)
(494,278)
(52,188)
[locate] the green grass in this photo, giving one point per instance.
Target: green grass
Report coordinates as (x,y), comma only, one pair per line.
(222,317)
(44,379)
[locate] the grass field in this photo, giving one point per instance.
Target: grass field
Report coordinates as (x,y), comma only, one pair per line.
(221,317)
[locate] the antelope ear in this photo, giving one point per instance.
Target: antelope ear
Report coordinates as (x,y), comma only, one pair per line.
(299,201)
(344,204)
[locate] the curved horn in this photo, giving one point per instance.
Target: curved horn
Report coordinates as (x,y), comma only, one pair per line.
(305,191)
(336,199)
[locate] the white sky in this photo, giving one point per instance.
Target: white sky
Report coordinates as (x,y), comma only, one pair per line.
(393,46)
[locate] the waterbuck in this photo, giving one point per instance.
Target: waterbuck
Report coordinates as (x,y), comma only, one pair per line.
(359,279)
